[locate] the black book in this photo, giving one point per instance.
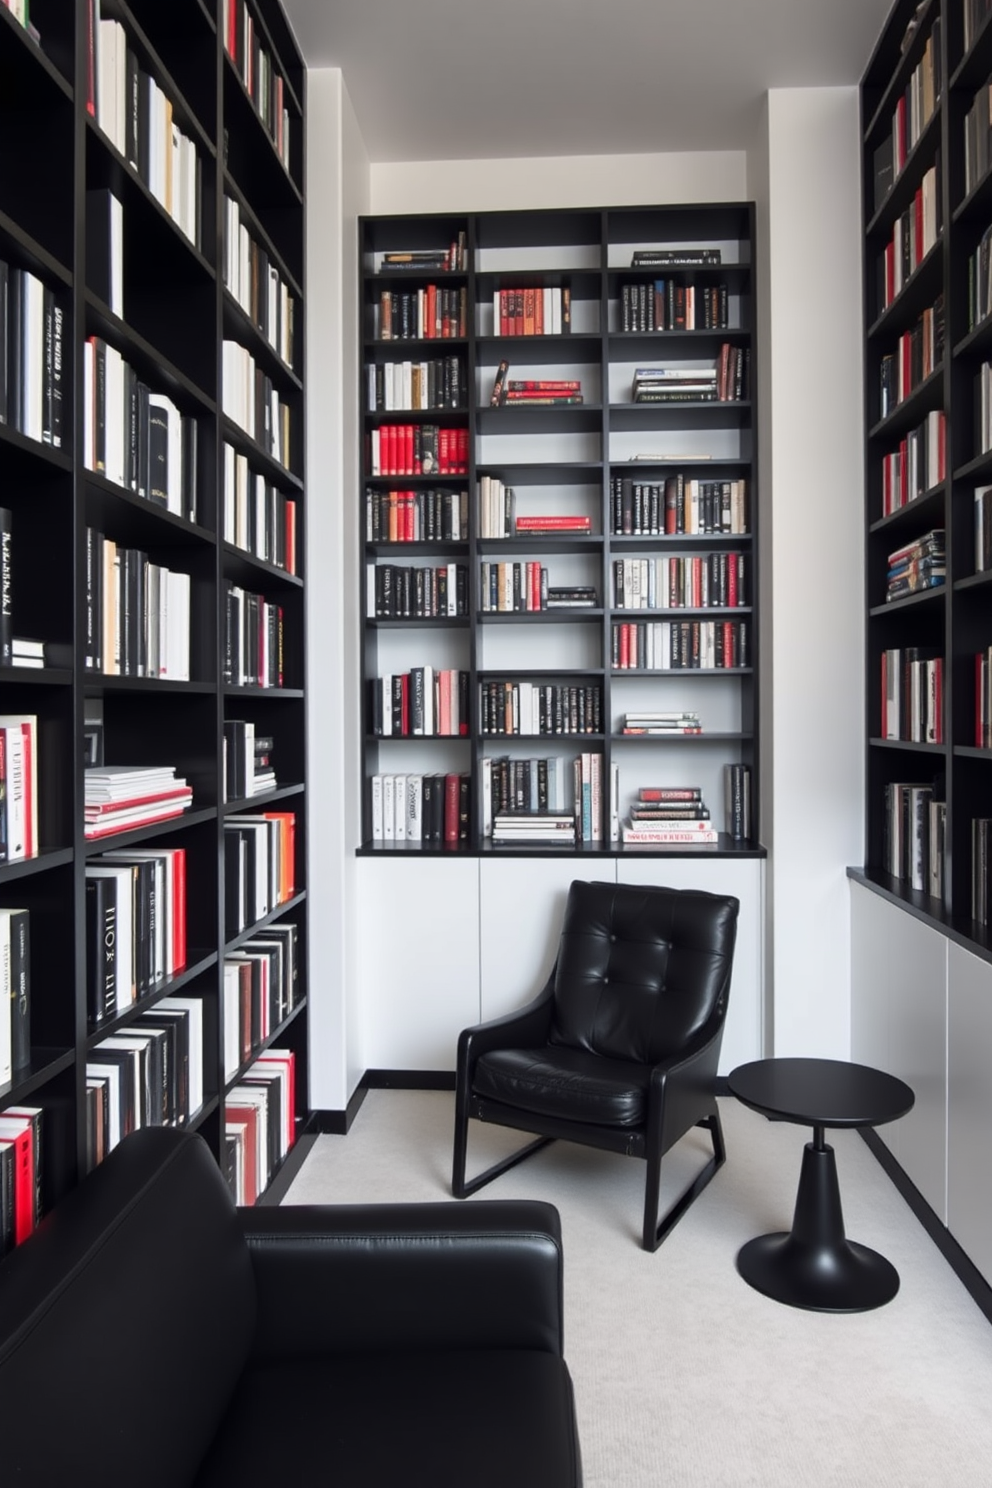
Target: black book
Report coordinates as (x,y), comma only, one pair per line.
(176,1022)
(48,311)
(189,482)
(6,1197)
(15,349)
(159,1074)
(4,336)
(235,734)
(101,948)
(127,1080)
(20,989)
(158,454)
(132,93)
(58,353)
(94,601)
(6,593)
(142,421)
(234,882)
(269,1085)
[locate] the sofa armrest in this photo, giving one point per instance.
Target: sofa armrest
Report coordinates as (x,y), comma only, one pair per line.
(415,1277)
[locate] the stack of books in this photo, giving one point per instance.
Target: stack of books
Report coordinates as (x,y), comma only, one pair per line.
(664,813)
(426,260)
(675,385)
(919,565)
(119,798)
(543,525)
(647,722)
(510,828)
(578,596)
(687,255)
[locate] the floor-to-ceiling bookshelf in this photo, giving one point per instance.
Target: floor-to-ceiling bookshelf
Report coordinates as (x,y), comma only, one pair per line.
(177,313)
(593,310)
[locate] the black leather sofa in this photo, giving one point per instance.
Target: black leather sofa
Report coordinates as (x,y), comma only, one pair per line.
(151,1333)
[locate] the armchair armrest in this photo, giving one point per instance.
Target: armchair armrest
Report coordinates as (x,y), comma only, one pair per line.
(687,1086)
(415,1277)
(526,1027)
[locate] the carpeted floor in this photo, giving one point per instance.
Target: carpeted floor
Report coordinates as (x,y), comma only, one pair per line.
(683,1374)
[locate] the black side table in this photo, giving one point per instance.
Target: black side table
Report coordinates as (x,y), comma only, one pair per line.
(815,1265)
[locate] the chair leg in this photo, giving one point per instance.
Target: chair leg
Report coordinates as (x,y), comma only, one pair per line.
(655,1232)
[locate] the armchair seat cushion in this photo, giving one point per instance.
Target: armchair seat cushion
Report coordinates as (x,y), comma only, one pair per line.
(420,1420)
(567,1083)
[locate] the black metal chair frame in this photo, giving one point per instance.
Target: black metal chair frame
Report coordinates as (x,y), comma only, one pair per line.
(681,1096)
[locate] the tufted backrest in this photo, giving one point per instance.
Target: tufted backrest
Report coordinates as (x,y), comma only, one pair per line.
(641,970)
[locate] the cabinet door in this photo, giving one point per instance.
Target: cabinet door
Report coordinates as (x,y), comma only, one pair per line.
(969,1116)
(899,989)
(743,1037)
(418,935)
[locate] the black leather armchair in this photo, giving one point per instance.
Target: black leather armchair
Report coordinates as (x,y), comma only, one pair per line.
(151,1333)
(620,1050)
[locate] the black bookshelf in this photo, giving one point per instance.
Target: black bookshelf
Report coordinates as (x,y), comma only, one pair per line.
(947,623)
(177,312)
(562,459)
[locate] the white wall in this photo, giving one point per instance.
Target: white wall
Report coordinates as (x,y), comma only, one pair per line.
(806,169)
(337,192)
(803,170)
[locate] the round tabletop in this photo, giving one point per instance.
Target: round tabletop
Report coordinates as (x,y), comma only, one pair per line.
(820,1092)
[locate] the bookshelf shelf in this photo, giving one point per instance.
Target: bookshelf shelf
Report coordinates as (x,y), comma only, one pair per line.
(168,325)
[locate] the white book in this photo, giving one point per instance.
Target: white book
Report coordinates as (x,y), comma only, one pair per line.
(177,588)
(400,807)
(232,1019)
(33,356)
(112,1074)
(15,767)
(377,829)
(89,392)
(113,413)
(389,808)
(138,1045)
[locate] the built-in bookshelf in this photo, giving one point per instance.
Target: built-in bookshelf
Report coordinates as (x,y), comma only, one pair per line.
(559,509)
(928,470)
(151,465)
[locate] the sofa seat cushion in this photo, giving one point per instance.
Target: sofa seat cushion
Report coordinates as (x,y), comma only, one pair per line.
(418,1420)
(558,1081)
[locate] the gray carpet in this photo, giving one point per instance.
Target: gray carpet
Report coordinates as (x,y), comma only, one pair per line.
(683,1374)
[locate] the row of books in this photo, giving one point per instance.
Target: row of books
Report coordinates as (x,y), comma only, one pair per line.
(983,398)
(918,353)
(15,992)
(580,821)
(139,119)
(507,707)
(32,349)
(672,305)
(18,787)
(149,1073)
(678,504)
(426,700)
(259,1124)
(261,981)
(134,437)
(983,528)
(533,392)
(418,449)
(498,515)
(404,592)
(918,465)
(738,801)
(393,387)
(258,517)
(21,1173)
(247,762)
(912,695)
(255,282)
(917,565)
(253,639)
(534,310)
(977,139)
(137,613)
(914,835)
(522,588)
(430,810)
(118,798)
(259,73)
(432,313)
(983,698)
(981,872)
(665,645)
(915,106)
(259,867)
(524,786)
(135,926)
(698,581)
(251,400)
(415,516)
(914,233)
(661,722)
(976,13)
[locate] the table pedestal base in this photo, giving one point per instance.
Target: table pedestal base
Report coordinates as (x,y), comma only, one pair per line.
(815,1266)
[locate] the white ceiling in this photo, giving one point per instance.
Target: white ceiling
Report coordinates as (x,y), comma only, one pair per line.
(471,79)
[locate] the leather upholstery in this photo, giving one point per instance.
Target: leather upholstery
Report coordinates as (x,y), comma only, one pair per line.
(153,1334)
(640,970)
(566,1082)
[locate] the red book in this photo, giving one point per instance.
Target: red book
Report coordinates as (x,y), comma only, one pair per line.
(90,57)
(291,537)
(405,704)
(463,451)
(246,1117)
(179,908)
(979,693)
(16,1132)
(451,789)
(411,466)
(732,599)
(444,451)
(624,648)
(669,793)
(93,830)
(177,793)
(553,524)
(285,1059)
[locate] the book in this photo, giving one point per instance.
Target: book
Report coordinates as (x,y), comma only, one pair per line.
(6,589)
(685,256)
(498,394)
(688,836)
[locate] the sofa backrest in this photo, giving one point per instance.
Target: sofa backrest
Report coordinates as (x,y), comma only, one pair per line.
(125,1321)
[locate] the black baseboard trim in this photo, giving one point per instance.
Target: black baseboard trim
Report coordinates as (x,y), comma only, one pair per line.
(386,1079)
(338,1123)
(292,1163)
(963,1267)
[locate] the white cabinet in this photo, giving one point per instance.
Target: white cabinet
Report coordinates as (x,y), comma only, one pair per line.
(899,1024)
(969,1112)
